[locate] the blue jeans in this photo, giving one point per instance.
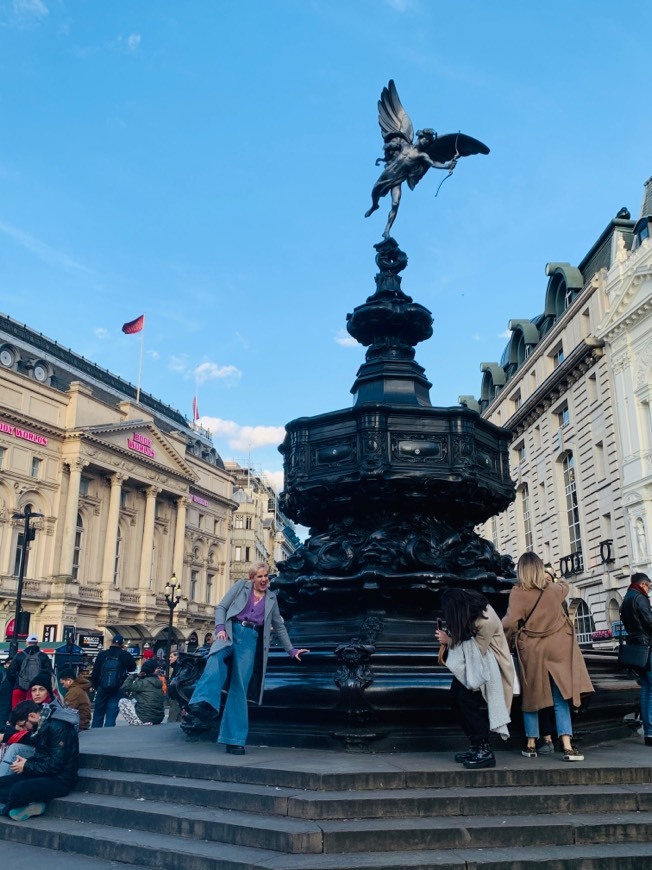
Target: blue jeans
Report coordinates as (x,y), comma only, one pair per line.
(646,702)
(562,716)
(235,717)
(105,709)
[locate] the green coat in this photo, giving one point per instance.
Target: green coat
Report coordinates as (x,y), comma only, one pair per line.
(147,692)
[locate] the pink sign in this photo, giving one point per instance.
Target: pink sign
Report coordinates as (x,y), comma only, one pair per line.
(198,500)
(141,444)
(23,433)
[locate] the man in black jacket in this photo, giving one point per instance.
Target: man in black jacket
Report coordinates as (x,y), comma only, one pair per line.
(636,615)
(109,672)
(51,771)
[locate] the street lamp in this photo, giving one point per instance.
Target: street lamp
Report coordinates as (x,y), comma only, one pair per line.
(29,533)
(172,598)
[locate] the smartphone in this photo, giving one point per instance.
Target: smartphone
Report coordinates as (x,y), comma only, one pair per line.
(440,625)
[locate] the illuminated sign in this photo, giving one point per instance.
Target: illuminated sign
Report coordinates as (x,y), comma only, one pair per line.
(198,500)
(23,433)
(141,444)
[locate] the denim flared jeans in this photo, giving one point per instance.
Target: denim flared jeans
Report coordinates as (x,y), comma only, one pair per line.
(235,717)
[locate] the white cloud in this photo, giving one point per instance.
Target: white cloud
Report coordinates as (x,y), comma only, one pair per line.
(243,438)
(43,251)
(343,338)
(101,332)
(126,44)
(179,362)
(210,371)
(275,478)
(28,12)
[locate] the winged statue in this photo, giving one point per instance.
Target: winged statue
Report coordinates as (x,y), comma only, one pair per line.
(408,159)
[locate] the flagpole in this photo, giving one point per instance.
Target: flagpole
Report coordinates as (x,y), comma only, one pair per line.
(140,363)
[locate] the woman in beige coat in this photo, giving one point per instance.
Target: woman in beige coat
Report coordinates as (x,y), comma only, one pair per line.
(551,665)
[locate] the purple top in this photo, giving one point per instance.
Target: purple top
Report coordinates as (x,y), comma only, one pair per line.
(253,611)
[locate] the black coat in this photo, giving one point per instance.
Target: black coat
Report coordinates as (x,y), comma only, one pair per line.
(57,749)
(636,614)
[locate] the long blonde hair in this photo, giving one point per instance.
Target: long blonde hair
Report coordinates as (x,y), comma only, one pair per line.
(530,572)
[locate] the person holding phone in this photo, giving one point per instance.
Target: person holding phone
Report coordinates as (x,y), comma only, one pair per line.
(474,648)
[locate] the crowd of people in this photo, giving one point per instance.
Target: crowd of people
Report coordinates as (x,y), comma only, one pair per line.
(532,650)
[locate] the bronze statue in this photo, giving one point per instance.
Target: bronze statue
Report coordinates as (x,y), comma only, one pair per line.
(407,160)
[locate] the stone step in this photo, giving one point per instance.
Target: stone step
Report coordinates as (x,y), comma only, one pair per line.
(303,836)
(158,850)
(385,803)
(251,770)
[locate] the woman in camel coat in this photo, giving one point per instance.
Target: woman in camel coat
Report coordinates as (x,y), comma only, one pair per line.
(552,669)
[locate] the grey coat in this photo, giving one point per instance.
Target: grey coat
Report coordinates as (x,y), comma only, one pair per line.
(233,603)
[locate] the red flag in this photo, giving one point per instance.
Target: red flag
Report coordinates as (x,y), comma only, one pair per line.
(134,325)
(195,409)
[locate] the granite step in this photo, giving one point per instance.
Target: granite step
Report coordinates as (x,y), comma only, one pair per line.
(147,849)
(376,803)
(304,836)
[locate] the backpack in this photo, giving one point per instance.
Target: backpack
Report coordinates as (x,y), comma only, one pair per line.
(110,675)
(30,667)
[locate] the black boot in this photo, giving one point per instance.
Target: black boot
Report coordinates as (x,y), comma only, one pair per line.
(461,757)
(482,756)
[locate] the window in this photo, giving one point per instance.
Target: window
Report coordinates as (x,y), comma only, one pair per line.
(572,506)
(3,451)
(247,554)
(584,624)
(527,522)
(84,485)
(600,470)
(247,522)
(36,468)
(209,588)
(118,558)
(123,499)
(516,399)
(557,356)
(238,554)
(200,521)
(76,553)
(238,521)
(563,417)
(193,585)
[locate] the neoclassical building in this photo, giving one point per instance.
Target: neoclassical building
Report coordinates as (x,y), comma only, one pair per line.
(130,494)
(573,387)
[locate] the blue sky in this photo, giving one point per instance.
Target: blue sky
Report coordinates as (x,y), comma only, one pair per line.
(208,163)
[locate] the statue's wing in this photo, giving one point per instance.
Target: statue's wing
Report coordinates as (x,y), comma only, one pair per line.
(445,148)
(392,117)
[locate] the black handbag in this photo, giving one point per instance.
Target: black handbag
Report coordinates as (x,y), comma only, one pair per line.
(633,656)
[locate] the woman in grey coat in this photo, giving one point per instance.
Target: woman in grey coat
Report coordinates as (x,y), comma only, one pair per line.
(248,611)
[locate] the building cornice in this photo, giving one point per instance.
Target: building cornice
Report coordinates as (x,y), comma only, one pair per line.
(579,361)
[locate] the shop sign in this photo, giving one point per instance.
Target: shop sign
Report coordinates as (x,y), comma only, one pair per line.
(90,641)
(198,500)
(17,432)
(141,444)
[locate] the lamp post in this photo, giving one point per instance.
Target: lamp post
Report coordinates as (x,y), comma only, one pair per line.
(29,533)
(172,598)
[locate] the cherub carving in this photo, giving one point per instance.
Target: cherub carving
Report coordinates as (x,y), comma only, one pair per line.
(409,160)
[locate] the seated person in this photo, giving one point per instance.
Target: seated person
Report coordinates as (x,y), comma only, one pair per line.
(77,696)
(40,689)
(17,742)
(51,771)
(146,706)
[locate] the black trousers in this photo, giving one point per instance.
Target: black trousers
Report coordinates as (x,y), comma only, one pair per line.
(472,710)
(18,790)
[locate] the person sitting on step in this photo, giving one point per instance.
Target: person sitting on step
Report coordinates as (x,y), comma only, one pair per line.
(146,706)
(51,771)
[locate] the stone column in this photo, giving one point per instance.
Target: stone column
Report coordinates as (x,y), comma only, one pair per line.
(179,538)
(76,467)
(145,576)
(112,530)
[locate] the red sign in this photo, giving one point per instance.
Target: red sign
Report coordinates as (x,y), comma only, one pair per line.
(9,631)
(141,444)
(17,432)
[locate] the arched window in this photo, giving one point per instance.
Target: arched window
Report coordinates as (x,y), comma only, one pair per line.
(76,552)
(118,558)
(584,624)
(572,505)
